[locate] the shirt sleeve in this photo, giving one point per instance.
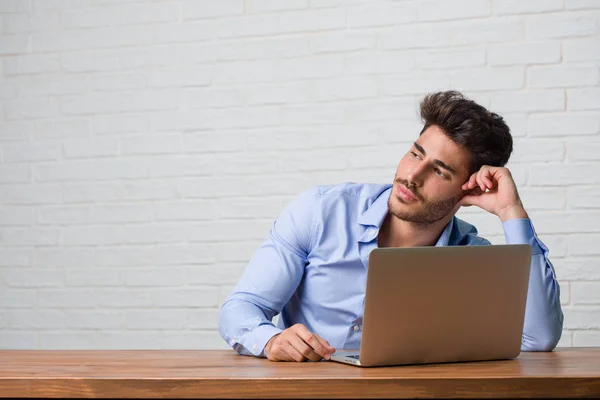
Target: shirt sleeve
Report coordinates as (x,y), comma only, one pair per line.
(270,278)
(543,314)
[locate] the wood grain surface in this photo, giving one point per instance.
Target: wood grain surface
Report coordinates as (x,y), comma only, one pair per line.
(568,372)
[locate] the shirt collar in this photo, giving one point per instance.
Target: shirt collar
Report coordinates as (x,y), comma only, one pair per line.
(377,211)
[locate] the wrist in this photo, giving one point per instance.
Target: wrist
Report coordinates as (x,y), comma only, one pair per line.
(513,212)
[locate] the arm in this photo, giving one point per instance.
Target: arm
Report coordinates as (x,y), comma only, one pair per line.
(270,279)
(494,190)
(543,315)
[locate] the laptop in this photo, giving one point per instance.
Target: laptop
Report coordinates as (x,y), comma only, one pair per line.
(442,304)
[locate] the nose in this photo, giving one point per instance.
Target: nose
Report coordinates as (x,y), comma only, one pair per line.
(415,175)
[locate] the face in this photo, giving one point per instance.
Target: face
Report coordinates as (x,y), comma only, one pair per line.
(428,181)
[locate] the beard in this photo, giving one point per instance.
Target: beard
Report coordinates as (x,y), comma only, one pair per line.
(431,211)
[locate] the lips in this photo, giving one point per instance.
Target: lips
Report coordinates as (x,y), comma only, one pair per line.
(405,194)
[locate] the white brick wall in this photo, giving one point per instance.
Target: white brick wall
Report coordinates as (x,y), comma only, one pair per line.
(146,147)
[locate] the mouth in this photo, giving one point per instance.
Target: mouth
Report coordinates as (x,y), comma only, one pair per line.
(406,194)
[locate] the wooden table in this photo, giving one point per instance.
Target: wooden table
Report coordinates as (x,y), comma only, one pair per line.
(224,374)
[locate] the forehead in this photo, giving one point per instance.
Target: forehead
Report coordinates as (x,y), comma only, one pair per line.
(439,146)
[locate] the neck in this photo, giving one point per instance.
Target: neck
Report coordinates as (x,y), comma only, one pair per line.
(395,232)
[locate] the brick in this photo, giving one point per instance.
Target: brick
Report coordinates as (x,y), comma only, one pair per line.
(565,222)
(35,319)
(31,152)
(517,123)
(437,10)
(583,150)
(586,338)
(155,319)
(345,88)
(286,47)
(289,22)
(455,33)
(33,277)
(560,125)
(524,53)
(91,61)
(262,6)
(180,254)
(531,100)
(566,339)
(14,131)
(543,198)
(556,243)
(121,298)
(228,230)
(562,76)
(61,129)
(124,123)
(14,44)
(94,320)
(196,9)
(131,255)
(236,251)
(198,340)
(123,340)
(390,14)
(583,49)
(86,193)
(166,143)
(203,319)
(152,277)
(18,298)
(583,244)
(121,14)
(38,21)
(583,99)
(14,174)
(177,166)
(586,292)
(106,214)
(26,109)
(59,4)
(185,32)
(64,215)
(91,147)
(538,150)
(248,208)
(91,170)
(343,42)
(184,210)
(581,317)
(64,257)
(565,293)
(92,236)
(93,38)
(563,174)
(193,297)
(563,25)
(503,7)
(152,233)
(209,274)
(392,62)
(53,84)
(26,64)
(249,72)
(118,81)
(66,298)
(68,340)
(175,77)
(581,4)
(584,197)
(31,194)
(18,340)
(29,236)
(455,58)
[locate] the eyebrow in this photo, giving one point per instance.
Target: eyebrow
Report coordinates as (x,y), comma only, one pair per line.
(438,162)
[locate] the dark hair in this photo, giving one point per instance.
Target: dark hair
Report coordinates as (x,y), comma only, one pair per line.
(468,124)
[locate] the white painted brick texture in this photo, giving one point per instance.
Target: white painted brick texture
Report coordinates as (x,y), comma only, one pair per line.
(146,147)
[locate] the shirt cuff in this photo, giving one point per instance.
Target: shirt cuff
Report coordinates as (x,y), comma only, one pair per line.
(520,231)
(259,337)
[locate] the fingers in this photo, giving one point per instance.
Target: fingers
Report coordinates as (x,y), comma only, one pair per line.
(484,179)
(318,344)
(297,343)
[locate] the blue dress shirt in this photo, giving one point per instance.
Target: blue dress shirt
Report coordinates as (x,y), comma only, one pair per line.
(312,269)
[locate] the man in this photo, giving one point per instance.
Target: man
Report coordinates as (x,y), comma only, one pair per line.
(312,267)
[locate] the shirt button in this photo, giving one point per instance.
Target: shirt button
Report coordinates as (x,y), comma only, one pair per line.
(254,347)
(373,231)
(356,328)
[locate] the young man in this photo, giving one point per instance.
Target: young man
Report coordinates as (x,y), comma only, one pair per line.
(312,266)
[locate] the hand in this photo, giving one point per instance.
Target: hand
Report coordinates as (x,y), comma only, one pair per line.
(493,189)
(297,343)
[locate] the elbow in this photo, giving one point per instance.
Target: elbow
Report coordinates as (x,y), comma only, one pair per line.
(544,342)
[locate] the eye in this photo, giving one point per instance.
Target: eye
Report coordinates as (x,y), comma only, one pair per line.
(415,155)
(439,173)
